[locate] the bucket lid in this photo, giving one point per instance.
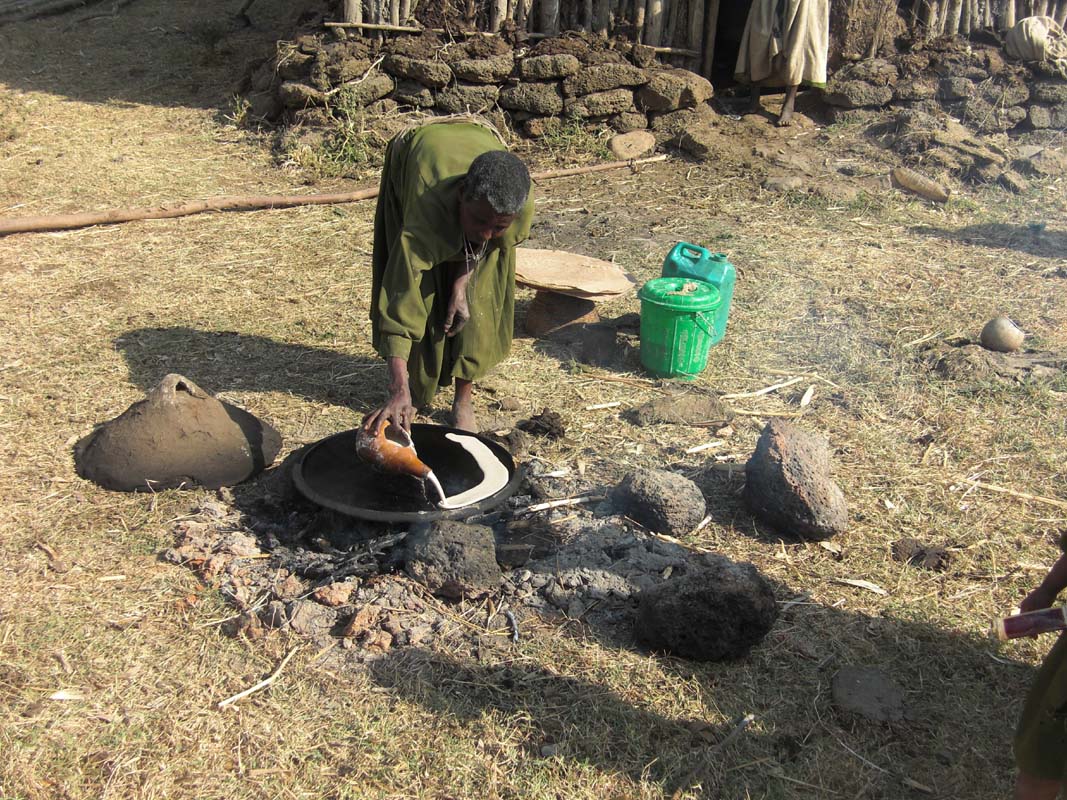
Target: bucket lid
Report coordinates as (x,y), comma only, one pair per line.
(683,294)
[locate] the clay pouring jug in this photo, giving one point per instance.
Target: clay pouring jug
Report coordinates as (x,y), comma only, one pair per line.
(392,450)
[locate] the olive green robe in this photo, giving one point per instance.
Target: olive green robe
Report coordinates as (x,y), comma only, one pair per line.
(416,236)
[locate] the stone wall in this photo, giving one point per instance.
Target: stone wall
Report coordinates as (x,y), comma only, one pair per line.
(973,83)
(619,84)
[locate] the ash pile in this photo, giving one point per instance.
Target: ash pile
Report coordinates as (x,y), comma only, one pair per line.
(363,589)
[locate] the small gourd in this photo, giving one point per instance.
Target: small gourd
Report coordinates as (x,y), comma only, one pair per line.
(1002,335)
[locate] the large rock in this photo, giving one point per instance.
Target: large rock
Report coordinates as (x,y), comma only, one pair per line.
(453,559)
(347,69)
(987,118)
(717,611)
(857,94)
(1013,93)
(702,142)
(178,435)
(294,94)
(604,77)
(672,123)
(1042,117)
(600,104)
(628,121)
(434,74)
(413,93)
(912,90)
(543,99)
(662,501)
(681,408)
(463,98)
(1040,161)
(308,618)
(955,88)
(876,71)
(544,68)
(484,70)
(635,144)
(1053,93)
(788,483)
(671,89)
(369,90)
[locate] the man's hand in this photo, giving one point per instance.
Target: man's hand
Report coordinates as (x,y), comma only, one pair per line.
(458,312)
(1038,599)
(398,410)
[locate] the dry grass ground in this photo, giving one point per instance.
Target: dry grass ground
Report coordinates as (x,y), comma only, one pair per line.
(269,310)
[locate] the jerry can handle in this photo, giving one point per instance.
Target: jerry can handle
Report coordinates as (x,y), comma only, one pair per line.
(691,251)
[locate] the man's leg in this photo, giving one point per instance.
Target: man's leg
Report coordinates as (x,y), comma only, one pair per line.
(1027,787)
(463,406)
(786,117)
(754,105)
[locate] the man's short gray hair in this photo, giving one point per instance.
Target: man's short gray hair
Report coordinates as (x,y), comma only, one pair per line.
(501,179)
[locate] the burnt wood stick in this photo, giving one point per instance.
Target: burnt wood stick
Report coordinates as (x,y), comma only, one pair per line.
(711,29)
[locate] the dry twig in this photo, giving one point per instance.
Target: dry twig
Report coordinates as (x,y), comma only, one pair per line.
(263,684)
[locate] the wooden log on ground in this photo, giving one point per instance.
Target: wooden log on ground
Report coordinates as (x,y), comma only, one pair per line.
(61,222)
(1009,14)
(711,29)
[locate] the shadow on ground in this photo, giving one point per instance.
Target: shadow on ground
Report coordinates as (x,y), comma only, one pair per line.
(150,51)
(960,706)
(1033,239)
(227,361)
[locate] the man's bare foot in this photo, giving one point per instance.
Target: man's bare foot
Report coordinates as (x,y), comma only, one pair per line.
(785,119)
(463,417)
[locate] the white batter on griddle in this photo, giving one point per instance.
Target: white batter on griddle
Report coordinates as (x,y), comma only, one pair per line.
(494,474)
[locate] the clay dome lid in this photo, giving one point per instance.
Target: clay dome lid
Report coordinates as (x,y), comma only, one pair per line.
(570,274)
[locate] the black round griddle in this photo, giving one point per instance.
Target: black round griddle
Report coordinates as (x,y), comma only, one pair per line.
(331,474)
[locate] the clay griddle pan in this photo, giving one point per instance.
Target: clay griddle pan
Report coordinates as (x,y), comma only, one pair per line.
(331,475)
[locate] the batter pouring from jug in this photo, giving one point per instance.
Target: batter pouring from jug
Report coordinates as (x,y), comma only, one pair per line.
(452,207)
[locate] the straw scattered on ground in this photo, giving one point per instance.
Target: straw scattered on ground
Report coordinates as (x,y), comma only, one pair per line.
(112,663)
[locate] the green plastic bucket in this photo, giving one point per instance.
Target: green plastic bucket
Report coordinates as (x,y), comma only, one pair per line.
(678,326)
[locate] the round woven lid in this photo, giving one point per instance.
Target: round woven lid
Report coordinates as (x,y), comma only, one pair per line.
(570,273)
